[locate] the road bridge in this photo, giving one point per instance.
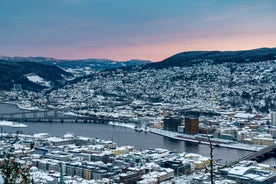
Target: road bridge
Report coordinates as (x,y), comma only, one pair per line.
(57,116)
(258,155)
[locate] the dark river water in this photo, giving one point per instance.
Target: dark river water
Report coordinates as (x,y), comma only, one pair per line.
(123,136)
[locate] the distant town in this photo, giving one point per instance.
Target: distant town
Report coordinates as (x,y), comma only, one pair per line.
(230,105)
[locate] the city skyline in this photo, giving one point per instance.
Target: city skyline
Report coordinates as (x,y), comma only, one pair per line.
(123,30)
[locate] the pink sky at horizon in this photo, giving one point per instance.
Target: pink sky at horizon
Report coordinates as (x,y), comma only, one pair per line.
(133,29)
(153,52)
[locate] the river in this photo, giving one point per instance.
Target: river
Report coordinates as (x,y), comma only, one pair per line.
(121,136)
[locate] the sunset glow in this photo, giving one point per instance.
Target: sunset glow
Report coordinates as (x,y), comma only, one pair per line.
(128,29)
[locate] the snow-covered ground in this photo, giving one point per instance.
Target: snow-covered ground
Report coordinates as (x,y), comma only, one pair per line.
(36,79)
(12,124)
(128,125)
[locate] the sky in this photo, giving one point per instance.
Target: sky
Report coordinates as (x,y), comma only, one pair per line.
(133,29)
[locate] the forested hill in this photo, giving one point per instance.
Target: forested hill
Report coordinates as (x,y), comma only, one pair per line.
(216,57)
(31,75)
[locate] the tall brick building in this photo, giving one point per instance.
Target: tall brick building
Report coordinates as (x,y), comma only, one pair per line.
(191,125)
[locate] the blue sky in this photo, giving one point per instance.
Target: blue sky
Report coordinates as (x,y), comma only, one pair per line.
(127,29)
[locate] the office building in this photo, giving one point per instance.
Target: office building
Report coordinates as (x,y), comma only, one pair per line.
(172,123)
(191,125)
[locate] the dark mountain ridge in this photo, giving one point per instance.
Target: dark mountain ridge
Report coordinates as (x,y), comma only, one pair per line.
(93,64)
(14,70)
(15,73)
(216,57)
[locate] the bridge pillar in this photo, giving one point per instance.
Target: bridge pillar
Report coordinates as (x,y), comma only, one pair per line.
(45,114)
(35,114)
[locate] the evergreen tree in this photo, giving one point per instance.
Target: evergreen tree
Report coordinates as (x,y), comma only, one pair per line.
(14,172)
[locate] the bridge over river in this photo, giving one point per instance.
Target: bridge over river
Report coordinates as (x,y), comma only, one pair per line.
(258,155)
(57,116)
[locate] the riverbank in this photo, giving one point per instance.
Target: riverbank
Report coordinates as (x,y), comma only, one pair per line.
(12,124)
(194,140)
(181,137)
(22,107)
(127,125)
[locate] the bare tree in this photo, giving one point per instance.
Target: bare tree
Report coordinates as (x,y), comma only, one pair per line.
(211,146)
